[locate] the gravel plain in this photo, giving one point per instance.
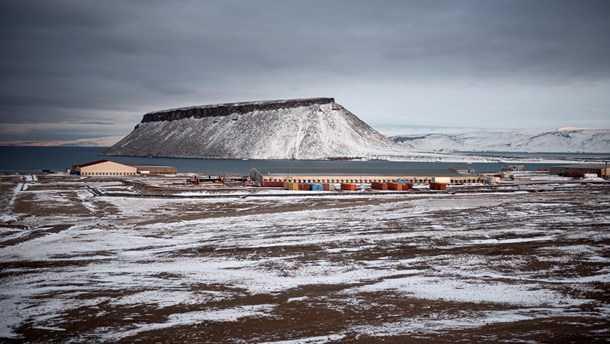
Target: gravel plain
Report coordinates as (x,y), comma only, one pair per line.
(522,266)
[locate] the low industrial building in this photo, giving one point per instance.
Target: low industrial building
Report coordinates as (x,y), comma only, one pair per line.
(415,176)
(111,168)
(579,170)
(154,169)
(104,168)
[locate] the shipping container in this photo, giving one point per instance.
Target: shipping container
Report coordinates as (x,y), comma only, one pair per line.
(379,186)
(291,186)
(304,187)
(394,186)
(441,180)
(348,186)
(326,187)
(438,186)
(316,187)
(407,186)
(273,184)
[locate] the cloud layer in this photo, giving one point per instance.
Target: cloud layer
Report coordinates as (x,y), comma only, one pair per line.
(395,64)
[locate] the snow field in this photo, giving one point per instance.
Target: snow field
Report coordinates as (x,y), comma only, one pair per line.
(438,248)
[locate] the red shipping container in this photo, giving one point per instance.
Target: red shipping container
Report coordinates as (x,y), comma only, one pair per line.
(407,186)
(273,184)
(394,186)
(438,186)
(326,187)
(379,186)
(303,186)
(348,186)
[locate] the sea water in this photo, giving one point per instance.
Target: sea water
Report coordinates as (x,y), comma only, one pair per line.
(36,159)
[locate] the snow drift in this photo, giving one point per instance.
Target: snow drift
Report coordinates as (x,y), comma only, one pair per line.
(316,128)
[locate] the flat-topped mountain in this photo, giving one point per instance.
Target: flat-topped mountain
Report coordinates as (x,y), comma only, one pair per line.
(314,128)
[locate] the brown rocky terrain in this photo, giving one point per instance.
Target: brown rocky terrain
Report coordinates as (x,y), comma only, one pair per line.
(477,267)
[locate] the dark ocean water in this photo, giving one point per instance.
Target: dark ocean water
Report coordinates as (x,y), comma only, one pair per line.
(36,159)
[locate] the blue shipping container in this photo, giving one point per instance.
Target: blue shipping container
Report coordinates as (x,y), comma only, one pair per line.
(316,187)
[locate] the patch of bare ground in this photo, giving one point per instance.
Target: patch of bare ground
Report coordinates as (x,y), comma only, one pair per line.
(548,330)
(64,203)
(103,209)
(351,270)
(194,211)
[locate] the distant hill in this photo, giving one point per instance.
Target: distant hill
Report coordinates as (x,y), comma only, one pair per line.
(566,140)
(90,142)
(316,128)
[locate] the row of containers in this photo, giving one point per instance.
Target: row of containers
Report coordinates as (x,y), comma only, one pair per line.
(395,186)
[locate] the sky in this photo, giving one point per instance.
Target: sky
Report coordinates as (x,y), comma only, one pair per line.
(72,69)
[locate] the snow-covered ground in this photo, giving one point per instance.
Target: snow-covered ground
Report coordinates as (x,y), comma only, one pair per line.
(562,140)
(477,267)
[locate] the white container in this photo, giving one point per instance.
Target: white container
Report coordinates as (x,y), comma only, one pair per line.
(444,180)
(492,180)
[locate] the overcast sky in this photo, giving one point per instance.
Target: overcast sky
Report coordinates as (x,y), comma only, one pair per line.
(81,69)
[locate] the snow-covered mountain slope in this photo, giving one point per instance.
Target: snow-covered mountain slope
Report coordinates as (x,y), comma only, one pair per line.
(315,128)
(566,140)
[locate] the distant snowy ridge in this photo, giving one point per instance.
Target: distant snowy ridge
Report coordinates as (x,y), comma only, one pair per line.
(566,140)
(89,142)
(316,128)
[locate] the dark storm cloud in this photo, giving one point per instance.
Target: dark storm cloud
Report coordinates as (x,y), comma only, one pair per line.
(111,61)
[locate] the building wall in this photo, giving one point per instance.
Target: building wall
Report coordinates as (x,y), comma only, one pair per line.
(108,168)
(156,169)
(257,176)
(567,170)
(367,179)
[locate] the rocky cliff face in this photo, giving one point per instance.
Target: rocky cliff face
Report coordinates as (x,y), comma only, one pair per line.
(228,109)
(316,128)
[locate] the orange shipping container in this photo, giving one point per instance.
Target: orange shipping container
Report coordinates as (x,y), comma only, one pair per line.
(326,187)
(394,186)
(438,186)
(379,186)
(348,186)
(273,184)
